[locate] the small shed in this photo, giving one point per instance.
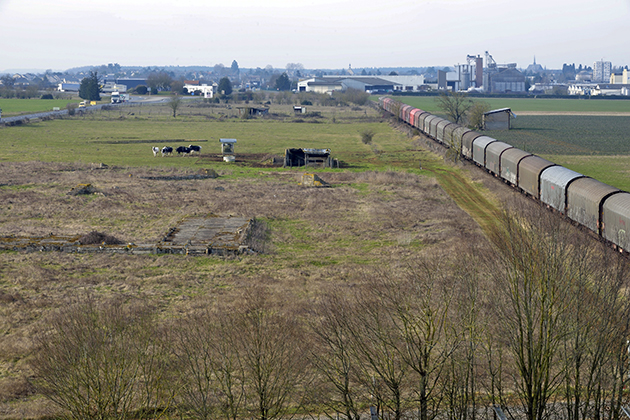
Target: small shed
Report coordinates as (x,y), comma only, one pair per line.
(227,146)
(320,158)
(252,111)
(299,109)
(498,119)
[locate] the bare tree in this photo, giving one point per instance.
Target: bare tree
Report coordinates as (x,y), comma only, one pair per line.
(97,361)
(212,378)
(174,104)
(376,344)
(455,105)
(271,352)
(420,297)
(333,357)
(536,263)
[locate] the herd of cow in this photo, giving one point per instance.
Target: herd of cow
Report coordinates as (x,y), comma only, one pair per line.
(181,150)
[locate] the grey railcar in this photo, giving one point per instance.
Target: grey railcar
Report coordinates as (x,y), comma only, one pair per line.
(553,185)
(427,124)
(433,127)
(467,141)
(616,220)
(510,160)
(449,130)
(584,201)
(479,149)
(441,133)
(529,171)
(493,156)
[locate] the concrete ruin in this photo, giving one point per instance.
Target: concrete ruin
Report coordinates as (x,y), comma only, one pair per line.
(210,235)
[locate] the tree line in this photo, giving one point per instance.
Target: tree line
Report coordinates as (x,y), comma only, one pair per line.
(536,324)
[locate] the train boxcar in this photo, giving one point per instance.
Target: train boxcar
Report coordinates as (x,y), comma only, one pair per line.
(584,201)
(449,130)
(467,142)
(433,127)
(593,204)
(616,220)
(553,185)
(426,126)
(510,160)
(479,149)
(421,122)
(441,133)
(529,171)
(493,156)
(457,136)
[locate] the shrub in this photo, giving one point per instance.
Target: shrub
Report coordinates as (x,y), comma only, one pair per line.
(96,238)
(47,96)
(71,107)
(142,90)
(367,135)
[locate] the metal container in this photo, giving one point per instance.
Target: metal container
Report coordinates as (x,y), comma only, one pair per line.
(467,141)
(493,156)
(479,149)
(584,201)
(448,135)
(553,186)
(404,112)
(433,126)
(457,136)
(440,131)
(417,122)
(616,219)
(529,171)
(413,117)
(509,164)
(423,124)
(427,124)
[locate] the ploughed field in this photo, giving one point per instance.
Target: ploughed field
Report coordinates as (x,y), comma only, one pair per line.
(587,136)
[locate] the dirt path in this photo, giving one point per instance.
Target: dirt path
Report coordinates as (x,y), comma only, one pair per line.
(470,199)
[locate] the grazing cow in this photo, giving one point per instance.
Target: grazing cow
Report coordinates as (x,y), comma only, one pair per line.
(183,150)
(156,150)
(167,150)
(194,148)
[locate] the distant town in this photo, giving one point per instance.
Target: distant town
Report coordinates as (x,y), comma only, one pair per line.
(480,74)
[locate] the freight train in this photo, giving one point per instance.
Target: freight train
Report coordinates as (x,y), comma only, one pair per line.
(599,207)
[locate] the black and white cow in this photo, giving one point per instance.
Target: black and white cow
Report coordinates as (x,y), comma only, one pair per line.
(167,150)
(183,150)
(194,148)
(156,150)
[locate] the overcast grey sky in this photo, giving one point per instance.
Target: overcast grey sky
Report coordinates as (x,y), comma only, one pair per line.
(47,34)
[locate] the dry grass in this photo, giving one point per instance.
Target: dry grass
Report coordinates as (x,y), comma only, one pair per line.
(317,239)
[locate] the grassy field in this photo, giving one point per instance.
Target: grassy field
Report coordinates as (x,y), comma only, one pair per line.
(382,211)
(595,145)
(429,104)
(12,107)
(392,203)
(125,138)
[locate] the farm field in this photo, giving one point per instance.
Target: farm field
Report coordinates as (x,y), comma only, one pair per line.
(595,145)
(13,107)
(545,105)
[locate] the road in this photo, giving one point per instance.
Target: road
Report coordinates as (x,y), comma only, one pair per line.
(133,100)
